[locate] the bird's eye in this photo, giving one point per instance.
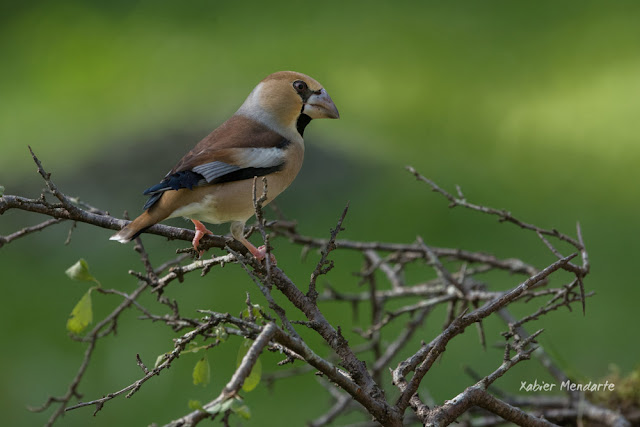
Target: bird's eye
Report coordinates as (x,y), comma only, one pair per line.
(300,86)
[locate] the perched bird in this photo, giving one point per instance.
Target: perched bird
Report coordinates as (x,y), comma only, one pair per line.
(213,182)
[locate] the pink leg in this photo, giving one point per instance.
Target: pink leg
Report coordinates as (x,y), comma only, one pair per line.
(237,230)
(258,253)
(201,230)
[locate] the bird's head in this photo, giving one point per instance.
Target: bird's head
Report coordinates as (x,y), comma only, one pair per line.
(286,102)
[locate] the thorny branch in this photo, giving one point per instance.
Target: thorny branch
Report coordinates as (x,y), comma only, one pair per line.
(349,373)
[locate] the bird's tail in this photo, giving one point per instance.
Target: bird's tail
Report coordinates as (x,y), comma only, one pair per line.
(135,227)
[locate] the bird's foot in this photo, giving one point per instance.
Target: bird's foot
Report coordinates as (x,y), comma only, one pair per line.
(260,253)
(201,230)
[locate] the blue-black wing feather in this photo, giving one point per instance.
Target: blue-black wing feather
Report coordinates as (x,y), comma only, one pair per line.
(190,179)
(206,163)
(174,181)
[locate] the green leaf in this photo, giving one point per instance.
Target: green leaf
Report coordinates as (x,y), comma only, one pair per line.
(159,360)
(81,315)
(202,372)
(243,410)
(220,406)
(226,405)
(1,190)
(221,333)
(192,347)
(195,404)
(80,271)
(255,310)
(254,377)
(214,409)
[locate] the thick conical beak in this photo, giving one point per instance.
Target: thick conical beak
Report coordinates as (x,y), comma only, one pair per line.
(320,106)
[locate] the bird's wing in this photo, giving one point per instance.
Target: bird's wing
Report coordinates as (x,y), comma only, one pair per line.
(239,149)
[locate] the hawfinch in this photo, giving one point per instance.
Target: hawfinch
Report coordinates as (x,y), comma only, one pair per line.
(214,181)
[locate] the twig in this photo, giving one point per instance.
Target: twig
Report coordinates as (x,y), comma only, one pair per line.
(442,272)
(267,294)
(93,336)
(257,206)
(179,346)
(501,214)
(28,230)
(457,326)
(320,269)
(344,373)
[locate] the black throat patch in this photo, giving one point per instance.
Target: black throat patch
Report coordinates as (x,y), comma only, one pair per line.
(303,121)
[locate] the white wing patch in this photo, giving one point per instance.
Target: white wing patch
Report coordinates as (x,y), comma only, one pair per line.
(250,158)
(262,157)
(214,170)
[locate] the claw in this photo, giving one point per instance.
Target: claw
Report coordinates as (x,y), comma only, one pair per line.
(261,252)
(201,230)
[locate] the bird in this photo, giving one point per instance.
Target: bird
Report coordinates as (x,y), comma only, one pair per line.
(214,181)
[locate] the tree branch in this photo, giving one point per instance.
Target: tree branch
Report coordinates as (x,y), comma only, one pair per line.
(350,373)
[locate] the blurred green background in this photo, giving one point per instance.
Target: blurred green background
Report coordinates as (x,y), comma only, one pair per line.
(532,107)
